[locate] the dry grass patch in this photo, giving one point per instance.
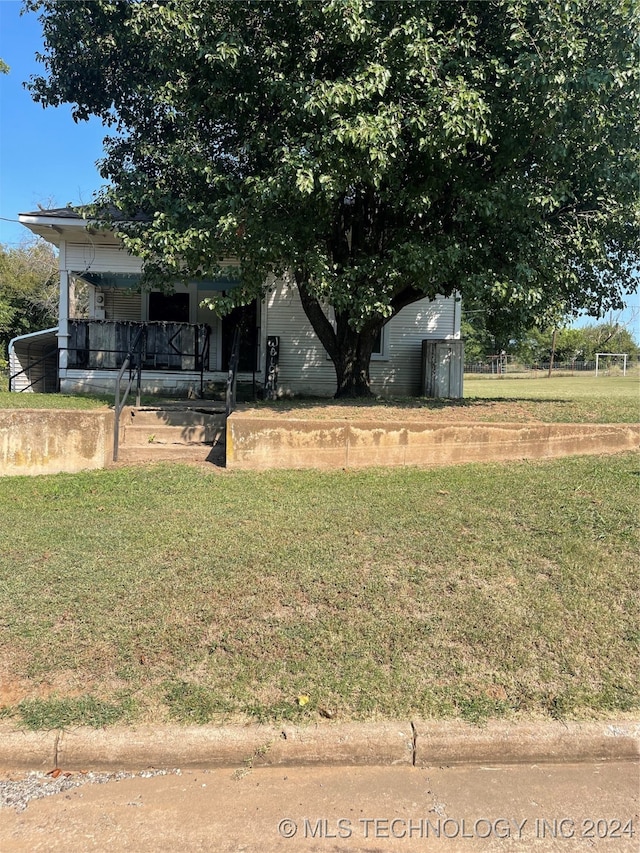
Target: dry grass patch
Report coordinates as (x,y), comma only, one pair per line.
(466,592)
(561,399)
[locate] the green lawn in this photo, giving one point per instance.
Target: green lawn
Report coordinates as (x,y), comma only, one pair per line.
(605,399)
(574,399)
(578,387)
(167,592)
(9,400)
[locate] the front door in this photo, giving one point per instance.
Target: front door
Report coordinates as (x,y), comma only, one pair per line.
(246,318)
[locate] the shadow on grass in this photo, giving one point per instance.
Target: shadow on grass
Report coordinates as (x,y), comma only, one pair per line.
(408,404)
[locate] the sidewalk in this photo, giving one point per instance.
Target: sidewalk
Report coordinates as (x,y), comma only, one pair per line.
(369,787)
(591,806)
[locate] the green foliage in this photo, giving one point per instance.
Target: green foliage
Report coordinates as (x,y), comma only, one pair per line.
(488,332)
(28,290)
(10,400)
(380,151)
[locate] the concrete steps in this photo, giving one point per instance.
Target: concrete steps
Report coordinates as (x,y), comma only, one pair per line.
(194,453)
(172,432)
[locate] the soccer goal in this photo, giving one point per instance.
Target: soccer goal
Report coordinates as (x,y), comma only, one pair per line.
(606,360)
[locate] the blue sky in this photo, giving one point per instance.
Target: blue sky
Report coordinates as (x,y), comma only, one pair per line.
(48,159)
(45,157)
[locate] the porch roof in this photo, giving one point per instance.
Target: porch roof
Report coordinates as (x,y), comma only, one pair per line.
(129,281)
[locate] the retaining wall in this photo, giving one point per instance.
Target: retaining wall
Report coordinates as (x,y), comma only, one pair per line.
(35,441)
(256,443)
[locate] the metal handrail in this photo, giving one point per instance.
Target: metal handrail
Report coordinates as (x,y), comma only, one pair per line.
(204,356)
(136,372)
(232,377)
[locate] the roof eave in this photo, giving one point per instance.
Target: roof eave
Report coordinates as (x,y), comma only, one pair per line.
(56,229)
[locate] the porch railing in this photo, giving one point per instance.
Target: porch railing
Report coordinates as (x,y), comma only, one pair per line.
(142,354)
(104,344)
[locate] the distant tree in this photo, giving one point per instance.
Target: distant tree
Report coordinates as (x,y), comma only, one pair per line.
(607,337)
(28,290)
(574,344)
(493,325)
(381,151)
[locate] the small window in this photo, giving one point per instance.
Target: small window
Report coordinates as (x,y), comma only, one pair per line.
(377,347)
(168,307)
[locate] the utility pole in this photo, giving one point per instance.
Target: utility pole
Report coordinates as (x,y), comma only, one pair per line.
(553,352)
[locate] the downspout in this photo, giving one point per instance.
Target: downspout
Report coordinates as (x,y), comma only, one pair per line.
(456,313)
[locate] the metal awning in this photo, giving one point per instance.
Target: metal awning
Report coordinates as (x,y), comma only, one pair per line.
(131,281)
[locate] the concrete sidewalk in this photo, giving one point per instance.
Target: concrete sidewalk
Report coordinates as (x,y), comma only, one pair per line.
(417,744)
(369,787)
(520,807)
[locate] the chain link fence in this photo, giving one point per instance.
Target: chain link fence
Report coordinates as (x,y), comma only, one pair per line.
(506,365)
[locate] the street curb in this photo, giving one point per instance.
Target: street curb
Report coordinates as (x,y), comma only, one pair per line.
(420,744)
(509,743)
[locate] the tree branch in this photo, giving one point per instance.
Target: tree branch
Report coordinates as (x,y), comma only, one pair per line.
(316,316)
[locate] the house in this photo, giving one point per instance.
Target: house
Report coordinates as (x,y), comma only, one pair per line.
(186,346)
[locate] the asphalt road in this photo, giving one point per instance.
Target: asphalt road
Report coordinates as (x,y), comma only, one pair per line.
(563,807)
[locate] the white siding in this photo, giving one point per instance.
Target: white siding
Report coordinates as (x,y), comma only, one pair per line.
(90,257)
(304,366)
(400,370)
(306,369)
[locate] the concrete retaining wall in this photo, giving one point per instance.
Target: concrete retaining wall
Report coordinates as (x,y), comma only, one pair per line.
(255,443)
(35,441)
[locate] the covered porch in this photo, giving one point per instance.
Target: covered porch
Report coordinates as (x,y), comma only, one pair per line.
(175,358)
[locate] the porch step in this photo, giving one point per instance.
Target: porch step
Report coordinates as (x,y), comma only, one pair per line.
(172,432)
(193,454)
(172,416)
(141,435)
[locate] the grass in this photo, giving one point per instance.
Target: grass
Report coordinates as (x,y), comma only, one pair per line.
(561,399)
(167,593)
(579,399)
(10,400)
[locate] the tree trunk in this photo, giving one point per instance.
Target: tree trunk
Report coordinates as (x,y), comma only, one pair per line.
(352,362)
(349,350)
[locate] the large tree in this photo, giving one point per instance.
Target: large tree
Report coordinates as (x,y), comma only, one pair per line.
(380,151)
(28,290)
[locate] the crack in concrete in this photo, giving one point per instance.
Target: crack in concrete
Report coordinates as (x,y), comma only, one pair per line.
(55,748)
(414,745)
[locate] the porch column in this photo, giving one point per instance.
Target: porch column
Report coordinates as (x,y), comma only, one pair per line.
(63,322)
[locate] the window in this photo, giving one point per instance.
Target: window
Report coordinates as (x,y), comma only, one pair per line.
(168,307)
(379,346)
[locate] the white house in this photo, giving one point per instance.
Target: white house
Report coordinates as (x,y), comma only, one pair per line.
(186,345)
